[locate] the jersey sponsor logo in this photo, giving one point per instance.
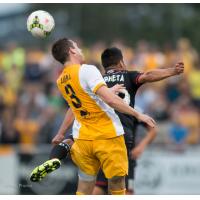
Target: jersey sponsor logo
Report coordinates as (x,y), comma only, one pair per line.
(114,78)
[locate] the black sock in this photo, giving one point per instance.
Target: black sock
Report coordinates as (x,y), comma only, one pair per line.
(60,151)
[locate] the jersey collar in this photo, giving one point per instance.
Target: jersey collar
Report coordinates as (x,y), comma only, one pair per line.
(114,69)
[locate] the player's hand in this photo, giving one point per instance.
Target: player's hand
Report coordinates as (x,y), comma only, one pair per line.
(147,120)
(116,89)
(58,139)
(179,68)
(137,151)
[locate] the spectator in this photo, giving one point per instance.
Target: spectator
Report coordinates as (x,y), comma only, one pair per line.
(30,101)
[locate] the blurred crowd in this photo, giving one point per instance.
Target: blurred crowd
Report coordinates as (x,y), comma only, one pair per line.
(32,109)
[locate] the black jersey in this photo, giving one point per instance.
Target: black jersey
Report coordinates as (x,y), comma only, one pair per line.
(130,81)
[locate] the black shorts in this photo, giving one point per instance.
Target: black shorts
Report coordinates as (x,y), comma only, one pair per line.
(102,181)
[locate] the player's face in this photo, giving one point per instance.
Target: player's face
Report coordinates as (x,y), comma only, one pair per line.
(78,52)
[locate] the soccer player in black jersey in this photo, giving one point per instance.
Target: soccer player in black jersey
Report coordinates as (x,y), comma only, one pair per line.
(116,74)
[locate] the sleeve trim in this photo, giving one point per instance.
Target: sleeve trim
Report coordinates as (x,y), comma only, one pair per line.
(137,78)
(98,86)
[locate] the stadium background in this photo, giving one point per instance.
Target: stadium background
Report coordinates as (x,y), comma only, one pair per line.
(31,108)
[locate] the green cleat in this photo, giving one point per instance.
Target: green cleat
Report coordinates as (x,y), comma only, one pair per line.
(41,171)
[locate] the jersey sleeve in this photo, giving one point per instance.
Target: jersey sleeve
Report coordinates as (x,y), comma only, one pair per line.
(92,77)
(134,76)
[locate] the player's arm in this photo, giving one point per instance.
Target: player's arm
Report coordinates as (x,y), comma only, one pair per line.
(160,74)
(139,149)
(67,122)
(118,104)
(91,78)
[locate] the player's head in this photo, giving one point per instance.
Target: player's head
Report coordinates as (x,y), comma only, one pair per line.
(112,57)
(64,50)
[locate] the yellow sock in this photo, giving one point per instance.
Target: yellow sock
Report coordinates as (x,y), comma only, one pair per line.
(79,193)
(118,192)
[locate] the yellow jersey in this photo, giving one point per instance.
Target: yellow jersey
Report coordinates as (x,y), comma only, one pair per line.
(94,119)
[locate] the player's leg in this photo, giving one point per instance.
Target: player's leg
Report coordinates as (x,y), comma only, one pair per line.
(85,187)
(101,185)
(88,164)
(61,150)
(86,184)
(99,190)
(58,153)
(112,154)
(131,169)
(117,185)
(130,178)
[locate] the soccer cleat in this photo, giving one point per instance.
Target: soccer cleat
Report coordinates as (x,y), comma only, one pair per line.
(42,170)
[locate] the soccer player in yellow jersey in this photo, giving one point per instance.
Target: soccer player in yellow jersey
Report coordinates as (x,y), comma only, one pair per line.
(97,130)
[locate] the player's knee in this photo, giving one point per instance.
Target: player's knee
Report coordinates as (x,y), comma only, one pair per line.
(117,185)
(85,187)
(117,182)
(117,179)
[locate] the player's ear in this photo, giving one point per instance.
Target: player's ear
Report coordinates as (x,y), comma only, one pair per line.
(72,50)
(122,64)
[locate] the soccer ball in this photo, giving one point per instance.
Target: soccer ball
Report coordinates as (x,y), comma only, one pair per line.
(40,23)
